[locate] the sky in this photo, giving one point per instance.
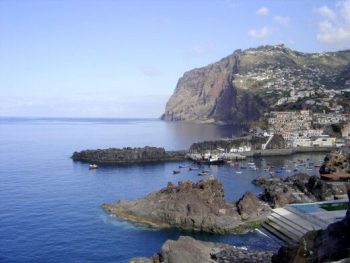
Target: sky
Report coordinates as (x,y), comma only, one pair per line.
(122,59)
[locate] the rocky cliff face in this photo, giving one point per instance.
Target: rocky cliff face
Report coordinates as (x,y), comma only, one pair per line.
(242,86)
(192,206)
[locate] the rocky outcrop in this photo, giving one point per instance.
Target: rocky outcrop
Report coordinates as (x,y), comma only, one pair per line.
(188,250)
(128,155)
(337,162)
(300,188)
(329,245)
(192,206)
(254,142)
(242,86)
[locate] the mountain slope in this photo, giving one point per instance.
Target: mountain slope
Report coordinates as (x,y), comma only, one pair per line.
(240,87)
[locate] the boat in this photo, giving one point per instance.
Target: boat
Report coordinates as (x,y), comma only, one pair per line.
(243,167)
(93,166)
(193,168)
(239,172)
(176,171)
(182,166)
(203,173)
(208,159)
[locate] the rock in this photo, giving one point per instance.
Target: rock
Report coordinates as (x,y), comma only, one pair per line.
(128,155)
(141,260)
(188,250)
(300,188)
(331,244)
(191,206)
(249,206)
(336,162)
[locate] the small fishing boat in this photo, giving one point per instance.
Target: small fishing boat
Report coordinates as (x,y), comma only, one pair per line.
(193,168)
(182,166)
(176,171)
(93,166)
(243,167)
(203,173)
(238,172)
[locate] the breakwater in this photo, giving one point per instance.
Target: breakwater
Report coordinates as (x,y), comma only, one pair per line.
(287,151)
(128,155)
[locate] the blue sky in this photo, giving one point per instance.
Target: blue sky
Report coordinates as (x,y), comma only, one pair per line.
(123,58)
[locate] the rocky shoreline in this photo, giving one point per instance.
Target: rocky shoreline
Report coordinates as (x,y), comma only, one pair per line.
(189,250)
(299,188)
(128,155)
(193,206)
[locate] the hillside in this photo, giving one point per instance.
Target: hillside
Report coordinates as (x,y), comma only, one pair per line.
(245,84)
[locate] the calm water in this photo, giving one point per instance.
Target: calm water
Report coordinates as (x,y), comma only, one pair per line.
(50,206)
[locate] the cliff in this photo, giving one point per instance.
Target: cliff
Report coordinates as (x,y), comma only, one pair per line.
(241,86)
(192,206)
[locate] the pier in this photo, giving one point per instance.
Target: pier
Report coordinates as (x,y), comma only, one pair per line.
(293,221)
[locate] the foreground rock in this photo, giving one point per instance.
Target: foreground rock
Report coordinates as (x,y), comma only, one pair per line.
(336,166)
(300,188)
(128,155)
(331,244)
(192,206)
(189,250)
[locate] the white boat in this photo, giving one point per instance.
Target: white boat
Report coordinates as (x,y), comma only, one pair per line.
(238,172)
(93,166)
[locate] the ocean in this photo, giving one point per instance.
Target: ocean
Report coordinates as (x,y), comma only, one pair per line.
(50,206)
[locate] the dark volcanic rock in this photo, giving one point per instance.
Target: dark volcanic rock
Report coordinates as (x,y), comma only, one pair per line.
(248,206)
(300,188)
(336,162)
(331,244)
(128,155)
(188,250)
(192,206)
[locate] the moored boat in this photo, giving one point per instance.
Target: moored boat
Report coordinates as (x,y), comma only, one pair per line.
(93,166)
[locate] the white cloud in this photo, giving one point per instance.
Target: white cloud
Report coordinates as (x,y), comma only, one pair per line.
(334,28)
(260,33)
(326,12)
(282,20)
(263,11)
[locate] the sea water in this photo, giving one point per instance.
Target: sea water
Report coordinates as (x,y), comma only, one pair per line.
(50,206)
